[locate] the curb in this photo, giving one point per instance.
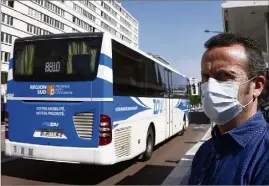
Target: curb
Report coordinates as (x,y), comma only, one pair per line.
(180,174)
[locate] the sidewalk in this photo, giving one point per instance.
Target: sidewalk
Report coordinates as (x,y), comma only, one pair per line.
(180,174)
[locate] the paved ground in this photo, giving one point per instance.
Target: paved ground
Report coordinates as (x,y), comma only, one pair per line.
(153,172)
(181,173)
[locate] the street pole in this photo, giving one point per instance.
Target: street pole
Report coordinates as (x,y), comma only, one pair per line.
(209,31)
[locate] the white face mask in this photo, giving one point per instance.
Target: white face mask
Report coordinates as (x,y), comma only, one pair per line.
(219,100)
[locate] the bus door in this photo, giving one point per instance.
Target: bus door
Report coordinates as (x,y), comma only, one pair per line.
(171,128)
(168,105)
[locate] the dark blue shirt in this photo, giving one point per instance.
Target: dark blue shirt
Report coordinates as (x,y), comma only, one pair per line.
(239,157)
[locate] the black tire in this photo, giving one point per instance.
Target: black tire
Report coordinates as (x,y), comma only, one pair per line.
(181,133)
(149,146)
(183,129)
(185,125)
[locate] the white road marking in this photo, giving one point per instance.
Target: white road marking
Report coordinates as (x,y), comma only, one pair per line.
(181,172)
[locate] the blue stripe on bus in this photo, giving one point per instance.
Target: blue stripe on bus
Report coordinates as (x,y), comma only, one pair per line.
(101,88)
(105,60)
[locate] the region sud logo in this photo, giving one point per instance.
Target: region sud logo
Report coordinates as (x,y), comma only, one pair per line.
(50,90)
(43,89)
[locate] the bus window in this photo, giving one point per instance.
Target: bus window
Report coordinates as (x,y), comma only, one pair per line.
(57,60)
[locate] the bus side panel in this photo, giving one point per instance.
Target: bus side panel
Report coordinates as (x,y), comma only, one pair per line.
(131,118)
(183,105)
(177,116)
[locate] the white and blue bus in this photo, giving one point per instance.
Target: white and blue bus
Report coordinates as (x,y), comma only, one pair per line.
(89,98)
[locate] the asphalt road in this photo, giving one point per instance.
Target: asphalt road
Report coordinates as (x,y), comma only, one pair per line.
(134,172)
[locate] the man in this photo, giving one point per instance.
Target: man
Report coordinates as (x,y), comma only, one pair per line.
(232,81)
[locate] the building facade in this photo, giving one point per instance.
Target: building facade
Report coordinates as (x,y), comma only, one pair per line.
(251,18)
(194,86)
(40,17)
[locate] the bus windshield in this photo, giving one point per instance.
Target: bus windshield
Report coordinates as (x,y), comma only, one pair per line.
(70,59)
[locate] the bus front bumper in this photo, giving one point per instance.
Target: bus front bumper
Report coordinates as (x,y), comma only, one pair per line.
(99,156)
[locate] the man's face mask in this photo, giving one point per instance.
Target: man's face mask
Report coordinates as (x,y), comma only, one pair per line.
(219,100)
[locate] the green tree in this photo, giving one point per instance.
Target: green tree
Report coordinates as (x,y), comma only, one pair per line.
(195,100)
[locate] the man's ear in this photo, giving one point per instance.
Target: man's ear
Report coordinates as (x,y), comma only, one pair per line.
(259,85)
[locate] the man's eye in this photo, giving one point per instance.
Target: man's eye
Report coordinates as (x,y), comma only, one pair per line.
(223,77)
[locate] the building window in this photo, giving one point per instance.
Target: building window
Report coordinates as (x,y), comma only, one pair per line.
(110,10)
(3,78)
(7,19)
(11,4)
(36,30)
(108,18)
(6,38)
(115,5)
(88,4)
(4,2)
(83,24)
(124,30)
(126,39)
(108,28)
(5,56)
(83,12)
(125,22)
(48,5)
(46,19)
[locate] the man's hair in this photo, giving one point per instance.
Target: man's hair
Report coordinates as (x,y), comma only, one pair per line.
(256,62)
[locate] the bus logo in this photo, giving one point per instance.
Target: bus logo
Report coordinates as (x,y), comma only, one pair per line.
(158,106)
(50,90)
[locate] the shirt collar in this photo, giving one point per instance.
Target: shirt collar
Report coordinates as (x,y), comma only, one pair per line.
(244,132)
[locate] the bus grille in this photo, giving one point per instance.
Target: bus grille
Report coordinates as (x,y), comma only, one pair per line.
(123,141)
(83,124)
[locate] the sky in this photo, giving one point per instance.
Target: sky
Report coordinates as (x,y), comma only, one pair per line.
(175,30)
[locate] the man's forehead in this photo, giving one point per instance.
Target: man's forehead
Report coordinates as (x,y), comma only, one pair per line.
(234,53)
(232,56)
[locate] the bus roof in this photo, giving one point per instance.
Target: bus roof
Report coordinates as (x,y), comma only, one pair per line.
(95,34)
(60,36)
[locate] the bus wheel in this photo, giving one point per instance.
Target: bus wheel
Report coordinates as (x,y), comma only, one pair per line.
(185,125)
(183,129)
(149,146)
(181,133)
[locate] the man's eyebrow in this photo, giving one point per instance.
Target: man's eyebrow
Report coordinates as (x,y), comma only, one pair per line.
(227,71)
